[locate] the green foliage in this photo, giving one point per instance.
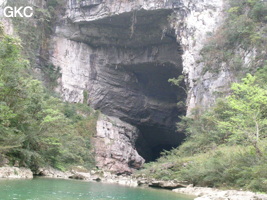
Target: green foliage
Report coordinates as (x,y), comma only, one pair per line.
(245,29)
(247,112)
(35,128)
(85,97)
(32,30)
(226,167)
(179,81)
(35,33)
(259,11)
(238,119)
(51,75)
(226,146)
(54,3)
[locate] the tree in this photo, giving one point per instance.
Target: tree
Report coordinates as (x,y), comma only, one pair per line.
(34,127)
(239,119)
(10,91)
(246,122)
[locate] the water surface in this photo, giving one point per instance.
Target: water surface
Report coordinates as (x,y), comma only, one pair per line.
(56,189)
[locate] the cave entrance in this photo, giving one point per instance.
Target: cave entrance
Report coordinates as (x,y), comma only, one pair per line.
(151,56)
(135,54)
(157,122)
(154,140)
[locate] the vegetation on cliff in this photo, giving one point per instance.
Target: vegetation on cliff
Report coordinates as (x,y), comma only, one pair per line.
(35,34)
(226,146)
(244,30)
(36,128)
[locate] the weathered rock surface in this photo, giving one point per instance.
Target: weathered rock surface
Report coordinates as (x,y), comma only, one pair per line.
(105,177)
(108,177)
(52,173)
(122,53)
(200,19)
(128,25)
(128,83)
(80,176)
(114,146)
(4,162)
(215,194)
(15,173)
(167,184)
(88,10)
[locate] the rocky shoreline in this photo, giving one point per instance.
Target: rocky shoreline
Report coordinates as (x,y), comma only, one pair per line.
(203,193)
(15,173)
(80,173)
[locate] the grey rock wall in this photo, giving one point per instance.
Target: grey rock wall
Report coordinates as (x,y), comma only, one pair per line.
(114,146)
(125,83)
(110,23)
(193,30)
(122,53)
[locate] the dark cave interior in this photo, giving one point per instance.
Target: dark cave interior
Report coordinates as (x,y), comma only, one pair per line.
(153,83)
(140,93)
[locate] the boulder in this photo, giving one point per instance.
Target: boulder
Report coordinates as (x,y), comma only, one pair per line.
(114,146)
(15,172)
(51,172)
(3,160)
(167,184)
(78,176)
(203,193)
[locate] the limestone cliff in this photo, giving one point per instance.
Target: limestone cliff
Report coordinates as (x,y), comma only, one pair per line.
(130,30)
(120,54)
(114,146)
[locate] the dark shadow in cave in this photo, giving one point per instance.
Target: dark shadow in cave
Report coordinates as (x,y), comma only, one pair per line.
(153,83)
(154,140)
(142,55)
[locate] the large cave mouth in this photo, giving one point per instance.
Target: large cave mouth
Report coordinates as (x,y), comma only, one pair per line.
(137,53)
(158,127)
(157,124)
(140,94)
(153,140)
(151,101)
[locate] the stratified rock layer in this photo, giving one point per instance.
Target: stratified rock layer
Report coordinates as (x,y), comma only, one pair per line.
(114,142)
(120,54)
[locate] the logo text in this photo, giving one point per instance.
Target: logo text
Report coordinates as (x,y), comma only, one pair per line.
(18,12)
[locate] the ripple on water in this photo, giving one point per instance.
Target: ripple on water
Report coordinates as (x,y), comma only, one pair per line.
(55,189)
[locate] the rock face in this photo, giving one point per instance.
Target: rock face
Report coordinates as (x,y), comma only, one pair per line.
(15,173)
(124,71)
(201,19)
(120,54)
(52,173)
(215,194)
(114,142)
(167,184)
(150,23)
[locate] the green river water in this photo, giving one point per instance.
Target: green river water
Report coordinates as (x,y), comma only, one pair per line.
(54,189)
